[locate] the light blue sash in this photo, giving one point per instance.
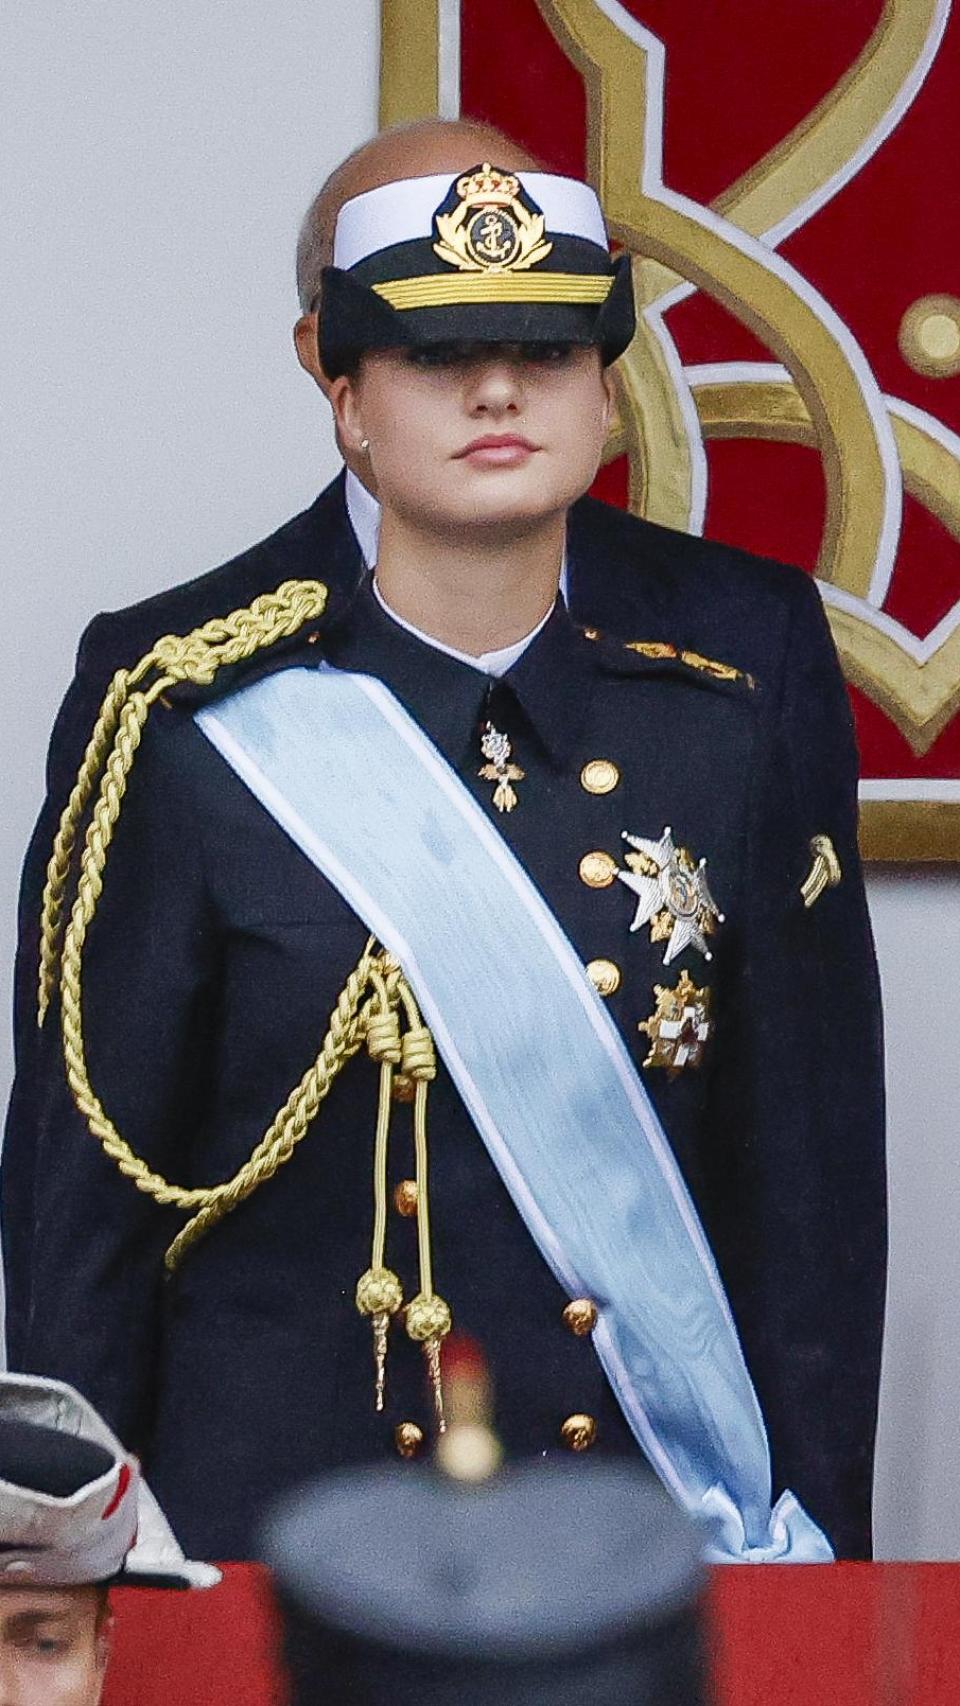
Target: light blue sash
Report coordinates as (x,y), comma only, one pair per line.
(541,1068)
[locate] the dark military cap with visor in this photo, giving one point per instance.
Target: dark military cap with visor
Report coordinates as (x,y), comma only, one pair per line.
(491,256)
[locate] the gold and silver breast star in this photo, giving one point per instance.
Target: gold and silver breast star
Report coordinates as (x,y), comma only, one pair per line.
(672,894)
(497,750)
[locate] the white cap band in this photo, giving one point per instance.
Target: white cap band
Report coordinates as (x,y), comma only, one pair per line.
(403,211)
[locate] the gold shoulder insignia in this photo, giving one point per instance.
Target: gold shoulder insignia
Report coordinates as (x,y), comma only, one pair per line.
(824,873)
(693,660)
(710,666)
(652,648)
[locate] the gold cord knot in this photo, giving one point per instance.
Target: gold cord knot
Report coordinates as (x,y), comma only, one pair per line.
(383,1037)
(419,1057)
(379,1295)
(427,1316)
(428,1321)
(379,1292)
(824,873)
(190,659)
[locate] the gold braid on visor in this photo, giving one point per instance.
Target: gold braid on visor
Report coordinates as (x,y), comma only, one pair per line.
(435,290)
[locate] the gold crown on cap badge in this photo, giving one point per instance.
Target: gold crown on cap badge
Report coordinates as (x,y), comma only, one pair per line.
(489,185)
(491,230)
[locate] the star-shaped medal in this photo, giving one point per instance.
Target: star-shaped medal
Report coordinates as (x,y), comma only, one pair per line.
(672,894)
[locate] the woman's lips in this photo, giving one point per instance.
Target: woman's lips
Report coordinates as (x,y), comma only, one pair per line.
(497,450)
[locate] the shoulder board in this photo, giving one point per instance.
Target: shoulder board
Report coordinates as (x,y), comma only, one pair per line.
(663,653)
(690,660)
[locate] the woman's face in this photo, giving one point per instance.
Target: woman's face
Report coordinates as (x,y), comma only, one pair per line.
(485,439)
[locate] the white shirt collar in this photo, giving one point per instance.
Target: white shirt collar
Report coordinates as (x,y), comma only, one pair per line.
(363,513)
(488,663)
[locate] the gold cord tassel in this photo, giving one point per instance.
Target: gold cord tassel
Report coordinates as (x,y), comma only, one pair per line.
(428,1319)
(428,1322)
(379,1295)
(379,1292)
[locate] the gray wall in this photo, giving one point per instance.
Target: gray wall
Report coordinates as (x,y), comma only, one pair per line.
(155,163)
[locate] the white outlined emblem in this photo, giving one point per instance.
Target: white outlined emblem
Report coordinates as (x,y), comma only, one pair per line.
(672,894)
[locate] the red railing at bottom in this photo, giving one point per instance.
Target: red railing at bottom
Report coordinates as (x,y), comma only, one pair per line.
(803,1635)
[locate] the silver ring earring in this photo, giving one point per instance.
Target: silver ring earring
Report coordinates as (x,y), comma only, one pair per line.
(364,445)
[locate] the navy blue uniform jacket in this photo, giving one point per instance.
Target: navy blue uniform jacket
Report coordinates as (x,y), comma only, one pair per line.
(219,953)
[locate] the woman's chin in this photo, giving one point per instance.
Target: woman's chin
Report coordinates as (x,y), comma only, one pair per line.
(506,502)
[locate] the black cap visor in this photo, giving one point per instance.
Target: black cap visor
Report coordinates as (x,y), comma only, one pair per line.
(355,318)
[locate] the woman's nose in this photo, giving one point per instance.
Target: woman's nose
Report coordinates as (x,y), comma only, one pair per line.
(495,387)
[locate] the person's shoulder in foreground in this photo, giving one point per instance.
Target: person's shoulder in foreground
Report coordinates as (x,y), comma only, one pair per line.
(75,1520)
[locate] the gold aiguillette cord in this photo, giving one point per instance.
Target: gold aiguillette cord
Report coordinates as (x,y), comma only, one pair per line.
(427,1316)
(379,1292)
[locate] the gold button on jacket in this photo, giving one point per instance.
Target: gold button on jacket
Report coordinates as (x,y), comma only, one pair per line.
(580,1316)
(405,1198)
(408,1438)
(599,776)
(605,976)
(597,870)
(578,1432)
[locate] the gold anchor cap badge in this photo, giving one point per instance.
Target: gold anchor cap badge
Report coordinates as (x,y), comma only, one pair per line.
(494,227)
(673,896)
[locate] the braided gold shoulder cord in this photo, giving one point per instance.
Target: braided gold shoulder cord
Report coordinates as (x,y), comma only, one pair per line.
(355,1021)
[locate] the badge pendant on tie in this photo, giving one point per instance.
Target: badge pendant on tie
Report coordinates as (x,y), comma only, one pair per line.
(496,749)
(672,894)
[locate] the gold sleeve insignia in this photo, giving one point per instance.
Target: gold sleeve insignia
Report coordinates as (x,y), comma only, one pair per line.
(824,873)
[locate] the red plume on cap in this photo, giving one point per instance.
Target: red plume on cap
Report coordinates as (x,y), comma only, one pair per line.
(123,1481)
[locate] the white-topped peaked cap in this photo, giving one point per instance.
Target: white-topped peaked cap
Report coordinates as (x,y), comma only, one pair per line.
(397,212)
(100,1522)
(487,256)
